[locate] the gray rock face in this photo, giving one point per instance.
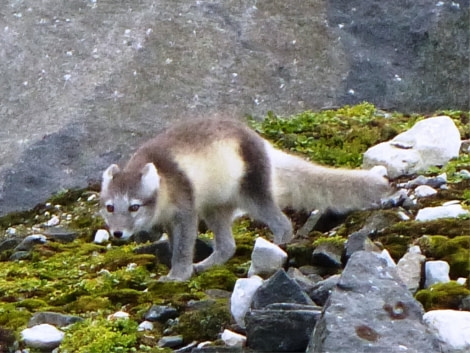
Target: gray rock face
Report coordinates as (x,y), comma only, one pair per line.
(371,310)
(83,83)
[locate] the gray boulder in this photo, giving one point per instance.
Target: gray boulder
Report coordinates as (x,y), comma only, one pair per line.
(371,310)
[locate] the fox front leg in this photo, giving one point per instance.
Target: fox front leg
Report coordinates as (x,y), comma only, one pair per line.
(183,234)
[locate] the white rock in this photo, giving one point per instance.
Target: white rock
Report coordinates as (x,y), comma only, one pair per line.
(461,280)
(449,211)
(452,328)
(425,191)
(415,249)
(398,161)
(451,202)
(266,258)
(403,216)
(145,326)
(101,236)
(118,315)
(242,296)
(233,339)
(386,256)
(44,337)
(429,142)
(436,272)
(53,221)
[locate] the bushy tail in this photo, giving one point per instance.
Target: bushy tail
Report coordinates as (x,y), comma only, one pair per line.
(305,186)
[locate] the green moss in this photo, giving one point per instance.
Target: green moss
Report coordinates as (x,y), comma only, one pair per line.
(396,244)
(214,278)
(121,256)
(124,296)
(300,252)
(32,304)
(205,324)
(455,251)
(13,317)
(442,296)
(97,336)
(176,293)
(89,304)
(335,241)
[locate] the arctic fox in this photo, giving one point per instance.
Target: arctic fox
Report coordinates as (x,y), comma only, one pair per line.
(210,169)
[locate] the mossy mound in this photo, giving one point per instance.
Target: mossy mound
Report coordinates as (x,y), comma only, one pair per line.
(442,296)
(205,324)
(97,336)
(455,251)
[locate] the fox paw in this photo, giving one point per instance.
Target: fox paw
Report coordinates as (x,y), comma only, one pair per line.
(179,276)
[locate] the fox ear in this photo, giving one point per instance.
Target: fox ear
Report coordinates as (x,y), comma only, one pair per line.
(108,175)
(150,178)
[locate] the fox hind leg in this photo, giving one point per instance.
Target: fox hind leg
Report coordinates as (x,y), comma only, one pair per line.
(220,222)
(269,213)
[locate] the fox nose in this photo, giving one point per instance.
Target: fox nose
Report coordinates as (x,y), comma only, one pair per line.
(117,234)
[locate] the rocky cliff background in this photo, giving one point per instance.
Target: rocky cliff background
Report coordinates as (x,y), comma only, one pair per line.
(83,82)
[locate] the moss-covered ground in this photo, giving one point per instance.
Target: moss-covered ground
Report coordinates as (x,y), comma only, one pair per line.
(92,281)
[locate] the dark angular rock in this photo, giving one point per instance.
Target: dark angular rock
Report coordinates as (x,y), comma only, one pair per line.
(162,250)
(358,241)
(170,341)
(279,288)
(305,282)
(327,255)
(61,234)
(52,318)
(20,255)
(218,349)
(7,340)
(9,244)
(30,241)
(371,310)
(281,328)
(144,237)
(321,291)
(465,304)
(161,313)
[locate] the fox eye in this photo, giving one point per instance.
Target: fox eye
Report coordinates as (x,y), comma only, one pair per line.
(134,208)
(110,208)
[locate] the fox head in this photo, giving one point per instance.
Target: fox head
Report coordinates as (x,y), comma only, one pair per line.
(128,199)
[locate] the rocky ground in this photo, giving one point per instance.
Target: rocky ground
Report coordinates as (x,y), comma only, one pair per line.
(374,282)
